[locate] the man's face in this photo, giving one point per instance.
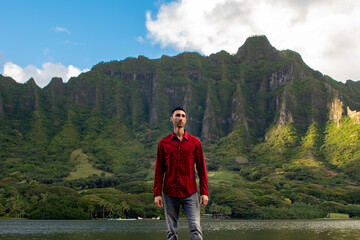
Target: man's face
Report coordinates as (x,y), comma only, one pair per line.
(178,118)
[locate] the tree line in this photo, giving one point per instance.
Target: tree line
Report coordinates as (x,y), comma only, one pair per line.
(29,199)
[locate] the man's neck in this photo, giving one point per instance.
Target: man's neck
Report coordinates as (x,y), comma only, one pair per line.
(179,132)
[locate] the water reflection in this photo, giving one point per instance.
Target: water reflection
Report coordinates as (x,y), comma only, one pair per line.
(213,229)
(285,229)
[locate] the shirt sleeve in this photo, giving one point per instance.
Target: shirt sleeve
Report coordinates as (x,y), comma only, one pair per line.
(201,169)
(159,170)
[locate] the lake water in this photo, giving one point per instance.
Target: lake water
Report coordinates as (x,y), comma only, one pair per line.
(155,230)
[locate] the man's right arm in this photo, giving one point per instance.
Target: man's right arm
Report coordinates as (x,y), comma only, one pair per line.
(159,202)
(201,169)
(159,172)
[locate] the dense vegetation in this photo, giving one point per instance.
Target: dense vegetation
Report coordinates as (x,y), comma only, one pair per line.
(279,138)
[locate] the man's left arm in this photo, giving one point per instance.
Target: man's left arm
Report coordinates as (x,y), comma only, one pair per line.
(202,173)
(204,199)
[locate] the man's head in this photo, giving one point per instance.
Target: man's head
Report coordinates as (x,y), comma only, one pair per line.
(176,109)
(178,117)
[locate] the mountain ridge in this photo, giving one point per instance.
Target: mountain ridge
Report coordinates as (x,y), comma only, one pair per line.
(262,114)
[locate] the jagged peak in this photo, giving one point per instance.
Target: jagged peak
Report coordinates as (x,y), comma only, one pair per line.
(292,54)
(188,54)
(256,48)
(55,81)
(165,57)
(221,53)
(353,115)
(352,82)
(258,40)
(31,82)
(222,56)
(7,79)
(143,58)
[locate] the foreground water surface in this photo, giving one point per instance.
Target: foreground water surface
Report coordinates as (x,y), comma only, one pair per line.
(155,230)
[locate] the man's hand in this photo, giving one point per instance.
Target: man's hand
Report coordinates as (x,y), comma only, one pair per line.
(204,199)
(158,202)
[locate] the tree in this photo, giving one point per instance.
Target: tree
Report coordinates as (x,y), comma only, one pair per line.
(17,206)
(218,210)
(124,208)
(2,208)
(104,206)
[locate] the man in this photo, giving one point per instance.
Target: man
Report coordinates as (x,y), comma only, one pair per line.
(177,156)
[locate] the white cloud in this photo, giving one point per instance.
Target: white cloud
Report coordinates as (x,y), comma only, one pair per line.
(324,32)
(140,39)
(42,76)
(71,42)
(62,29)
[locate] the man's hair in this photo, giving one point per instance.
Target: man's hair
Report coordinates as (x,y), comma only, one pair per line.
(177,108)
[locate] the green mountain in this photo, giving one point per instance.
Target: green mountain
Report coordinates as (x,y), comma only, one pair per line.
(280,139)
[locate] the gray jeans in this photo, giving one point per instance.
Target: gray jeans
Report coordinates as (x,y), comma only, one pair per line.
(191,207)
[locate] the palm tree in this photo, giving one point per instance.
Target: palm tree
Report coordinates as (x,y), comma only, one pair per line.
(124,207)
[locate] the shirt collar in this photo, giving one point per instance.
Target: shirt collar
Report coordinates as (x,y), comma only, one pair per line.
(186,135)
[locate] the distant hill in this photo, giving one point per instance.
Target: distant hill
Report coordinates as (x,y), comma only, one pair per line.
(263,115)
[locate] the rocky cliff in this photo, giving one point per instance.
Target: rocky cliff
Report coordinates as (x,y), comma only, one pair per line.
(249,93)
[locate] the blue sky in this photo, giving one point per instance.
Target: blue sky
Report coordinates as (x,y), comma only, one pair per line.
(42,39)
(74,32)
(79,33)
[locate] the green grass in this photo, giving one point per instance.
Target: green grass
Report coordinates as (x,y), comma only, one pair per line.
(222,177)
(337,215)
(83,168)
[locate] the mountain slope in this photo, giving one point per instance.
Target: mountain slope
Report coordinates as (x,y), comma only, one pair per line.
(261,113)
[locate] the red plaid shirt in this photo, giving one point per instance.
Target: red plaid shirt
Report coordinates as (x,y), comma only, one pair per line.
(177,161)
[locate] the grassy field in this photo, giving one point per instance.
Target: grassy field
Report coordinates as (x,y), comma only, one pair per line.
(224,178)
(83,168)
(338,215)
